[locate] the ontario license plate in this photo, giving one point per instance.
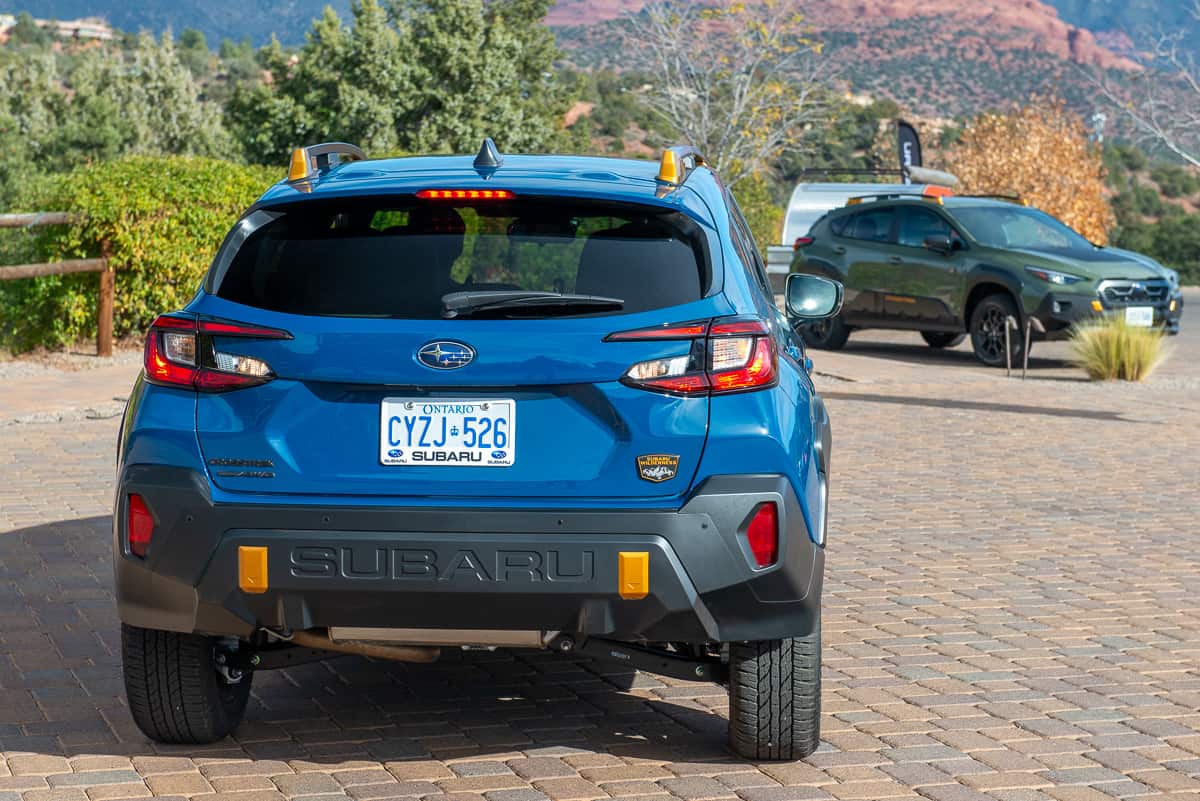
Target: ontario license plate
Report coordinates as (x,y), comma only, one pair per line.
(1142,316)
(465,433)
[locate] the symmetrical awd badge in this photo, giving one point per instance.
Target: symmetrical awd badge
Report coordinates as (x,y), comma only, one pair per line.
(445,355)
(657,467)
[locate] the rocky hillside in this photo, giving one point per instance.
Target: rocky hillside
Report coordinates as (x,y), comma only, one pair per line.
(937,57)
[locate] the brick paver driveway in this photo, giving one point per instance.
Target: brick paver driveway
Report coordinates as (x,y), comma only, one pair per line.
(1012,612)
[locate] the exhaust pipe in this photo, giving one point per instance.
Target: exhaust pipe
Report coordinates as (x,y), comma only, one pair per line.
(319,638)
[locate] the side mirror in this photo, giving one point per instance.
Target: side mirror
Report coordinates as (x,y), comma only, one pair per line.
(811,297)
(939,244)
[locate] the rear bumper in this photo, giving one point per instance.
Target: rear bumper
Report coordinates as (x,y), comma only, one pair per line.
(544,570)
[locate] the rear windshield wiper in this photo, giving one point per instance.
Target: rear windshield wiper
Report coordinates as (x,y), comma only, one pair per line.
(516,303)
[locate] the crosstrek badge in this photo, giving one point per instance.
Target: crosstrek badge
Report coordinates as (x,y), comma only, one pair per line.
(658,467)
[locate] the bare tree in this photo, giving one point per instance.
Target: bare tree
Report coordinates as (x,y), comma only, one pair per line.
(1163,102)
(739,81)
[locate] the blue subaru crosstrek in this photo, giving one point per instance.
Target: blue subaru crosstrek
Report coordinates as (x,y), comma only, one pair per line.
(454,402)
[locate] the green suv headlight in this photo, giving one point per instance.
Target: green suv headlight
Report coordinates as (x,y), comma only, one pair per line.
(1053,277)
(1172,277)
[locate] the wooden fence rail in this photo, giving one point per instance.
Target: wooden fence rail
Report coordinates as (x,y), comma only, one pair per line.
(104,304)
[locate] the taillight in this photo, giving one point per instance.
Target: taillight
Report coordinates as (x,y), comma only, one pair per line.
(180,352)
(728,354)
(139,525)
(762,534)
(802,242)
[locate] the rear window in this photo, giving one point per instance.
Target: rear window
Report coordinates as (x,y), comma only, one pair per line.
(874,225)
(398,257)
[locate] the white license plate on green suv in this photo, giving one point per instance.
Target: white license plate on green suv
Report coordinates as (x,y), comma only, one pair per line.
(1140,316)
(441,433)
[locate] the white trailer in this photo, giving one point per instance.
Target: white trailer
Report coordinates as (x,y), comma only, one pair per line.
(810,201)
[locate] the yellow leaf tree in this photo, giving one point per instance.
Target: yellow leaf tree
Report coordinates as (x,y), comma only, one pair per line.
(1040,152)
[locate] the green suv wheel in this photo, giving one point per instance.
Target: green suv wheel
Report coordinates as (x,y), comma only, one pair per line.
(987,330)
(828,334)
(775,697)
(942,339)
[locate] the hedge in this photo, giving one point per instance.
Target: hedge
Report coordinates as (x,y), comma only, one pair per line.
(163,218)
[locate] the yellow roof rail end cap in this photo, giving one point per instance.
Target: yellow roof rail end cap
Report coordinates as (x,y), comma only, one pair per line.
(298,170)
(668,169)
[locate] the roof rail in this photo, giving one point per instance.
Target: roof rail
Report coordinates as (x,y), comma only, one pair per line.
(1010,198)
(827,171)
(678,163)
(308,161)
(931,192)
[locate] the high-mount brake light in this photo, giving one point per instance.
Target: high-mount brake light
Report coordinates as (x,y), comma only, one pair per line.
(728,354)
(181,352)
(465,194)
(139,525)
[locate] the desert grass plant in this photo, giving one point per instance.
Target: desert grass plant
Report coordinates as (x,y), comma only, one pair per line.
(1109,349)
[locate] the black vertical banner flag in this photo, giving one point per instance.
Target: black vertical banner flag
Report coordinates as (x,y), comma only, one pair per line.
(909,146)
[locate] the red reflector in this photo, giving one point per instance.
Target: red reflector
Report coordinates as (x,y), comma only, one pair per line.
(139,526)
(696,328)
(763,534)
(465,194)
(802,242)
(760,372)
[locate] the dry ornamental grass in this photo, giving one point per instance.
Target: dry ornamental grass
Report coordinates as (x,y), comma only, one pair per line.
(1111,349)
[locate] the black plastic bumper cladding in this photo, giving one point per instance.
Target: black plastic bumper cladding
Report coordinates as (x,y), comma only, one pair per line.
(447,568)
(1077,308)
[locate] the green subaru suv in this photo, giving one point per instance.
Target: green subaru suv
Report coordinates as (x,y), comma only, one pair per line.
(951,266)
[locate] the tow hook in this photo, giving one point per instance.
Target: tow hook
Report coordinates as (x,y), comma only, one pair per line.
(231,673)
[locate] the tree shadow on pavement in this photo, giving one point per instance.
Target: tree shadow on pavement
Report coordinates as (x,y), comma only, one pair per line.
(977,406)
(924,355)
(62,691)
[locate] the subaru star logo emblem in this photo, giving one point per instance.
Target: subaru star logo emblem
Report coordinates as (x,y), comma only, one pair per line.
(445,355)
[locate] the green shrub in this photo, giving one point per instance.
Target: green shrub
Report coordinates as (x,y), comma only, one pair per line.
(163,218)
(1110,349)
(763,212)
(1175,181)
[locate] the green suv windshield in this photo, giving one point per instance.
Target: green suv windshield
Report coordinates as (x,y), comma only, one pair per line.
(1017,227)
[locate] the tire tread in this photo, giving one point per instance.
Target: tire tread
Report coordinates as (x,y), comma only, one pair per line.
(174,693)
(775,697)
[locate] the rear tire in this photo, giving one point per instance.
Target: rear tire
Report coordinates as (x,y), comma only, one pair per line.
(942,339)
(987,330)
(775,697)
(175,693)
(830,334)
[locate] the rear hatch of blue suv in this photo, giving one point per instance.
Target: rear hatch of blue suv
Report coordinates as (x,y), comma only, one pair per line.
(399,417)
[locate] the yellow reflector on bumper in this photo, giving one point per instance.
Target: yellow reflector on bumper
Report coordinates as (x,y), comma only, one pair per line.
(252,568)
(1097,306)
(633,574)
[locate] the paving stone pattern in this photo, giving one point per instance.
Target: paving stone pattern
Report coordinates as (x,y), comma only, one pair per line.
(1012,612)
